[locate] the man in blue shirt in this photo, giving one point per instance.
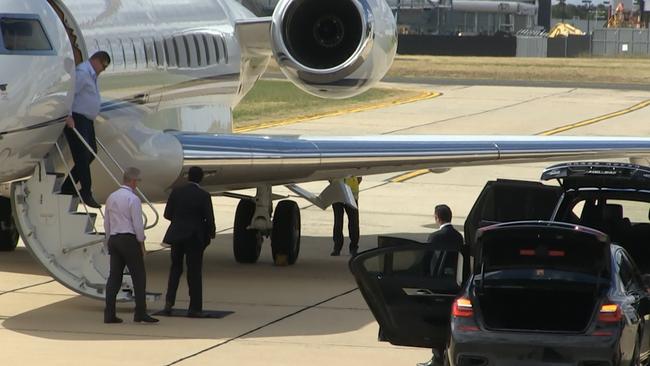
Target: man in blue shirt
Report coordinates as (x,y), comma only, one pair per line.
(85,108)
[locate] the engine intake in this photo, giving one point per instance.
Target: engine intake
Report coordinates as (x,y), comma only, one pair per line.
(334,48)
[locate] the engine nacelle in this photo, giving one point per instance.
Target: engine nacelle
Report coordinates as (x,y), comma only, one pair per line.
(334,48)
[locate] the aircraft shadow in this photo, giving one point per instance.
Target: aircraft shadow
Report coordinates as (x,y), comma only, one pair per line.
(316,296)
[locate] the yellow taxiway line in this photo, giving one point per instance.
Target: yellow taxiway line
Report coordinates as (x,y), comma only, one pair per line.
(422,96)
(591,121)
(416,173)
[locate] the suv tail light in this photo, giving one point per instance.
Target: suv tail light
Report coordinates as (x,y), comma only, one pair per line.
(462,308)
(610,313)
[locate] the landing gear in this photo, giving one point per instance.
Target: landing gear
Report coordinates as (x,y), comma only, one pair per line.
(247,243)
(253,222)
(8,231)
(285,239)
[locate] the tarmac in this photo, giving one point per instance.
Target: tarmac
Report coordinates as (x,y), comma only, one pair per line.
(310,313)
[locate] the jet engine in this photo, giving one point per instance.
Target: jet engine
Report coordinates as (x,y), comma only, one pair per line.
(334,48)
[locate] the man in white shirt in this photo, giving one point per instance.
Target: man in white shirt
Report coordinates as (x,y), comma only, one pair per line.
(85,108)
(125,234)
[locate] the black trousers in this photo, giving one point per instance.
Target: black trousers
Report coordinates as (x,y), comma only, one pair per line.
(192,251)
(353,226)
(125,250)
(80,154)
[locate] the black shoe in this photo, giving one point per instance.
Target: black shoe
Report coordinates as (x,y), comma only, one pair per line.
(335,253)
(145,318)
(68,191)
(353,252)
(197,314)
(90,201)
(113,320)
(167,311)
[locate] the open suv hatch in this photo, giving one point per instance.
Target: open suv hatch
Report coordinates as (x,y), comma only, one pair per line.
(611,197)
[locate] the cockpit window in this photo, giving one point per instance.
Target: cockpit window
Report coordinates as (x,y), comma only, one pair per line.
(23,34)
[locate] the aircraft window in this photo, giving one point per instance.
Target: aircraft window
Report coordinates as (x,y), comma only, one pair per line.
(20,34)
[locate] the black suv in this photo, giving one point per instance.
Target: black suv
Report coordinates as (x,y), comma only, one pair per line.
(611,197)
(539,292)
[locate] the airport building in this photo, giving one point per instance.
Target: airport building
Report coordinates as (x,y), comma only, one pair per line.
(465,17)
(452,17)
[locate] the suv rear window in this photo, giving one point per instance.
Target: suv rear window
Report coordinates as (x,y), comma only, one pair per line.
(23,34)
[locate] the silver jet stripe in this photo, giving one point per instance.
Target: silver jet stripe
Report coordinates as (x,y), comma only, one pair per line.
(241,160)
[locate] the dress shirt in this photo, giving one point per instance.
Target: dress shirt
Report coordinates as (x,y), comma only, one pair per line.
(124,214)
(86,93)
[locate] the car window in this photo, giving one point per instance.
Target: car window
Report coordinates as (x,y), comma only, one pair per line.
(434,264)
(635,211)
(628,273)
(624,271)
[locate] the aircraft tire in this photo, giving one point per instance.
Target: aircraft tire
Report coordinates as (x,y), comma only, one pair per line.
(246,244)
(285,238)
(8,231)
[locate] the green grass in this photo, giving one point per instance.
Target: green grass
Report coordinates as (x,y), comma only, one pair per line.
(272,100)
(621,70)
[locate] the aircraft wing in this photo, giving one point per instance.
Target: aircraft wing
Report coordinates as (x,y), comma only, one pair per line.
(242,161)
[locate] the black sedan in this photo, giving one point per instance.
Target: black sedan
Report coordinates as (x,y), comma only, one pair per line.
(539,293)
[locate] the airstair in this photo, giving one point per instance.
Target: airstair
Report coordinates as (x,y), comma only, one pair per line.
(60,230)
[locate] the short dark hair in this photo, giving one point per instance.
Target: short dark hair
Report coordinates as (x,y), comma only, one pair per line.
(195,174)
(102,56)
(443,212)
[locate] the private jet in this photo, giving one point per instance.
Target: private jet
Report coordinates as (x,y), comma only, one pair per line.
(178,69)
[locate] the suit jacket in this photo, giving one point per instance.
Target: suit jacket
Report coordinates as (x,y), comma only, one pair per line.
(448,235)
(189,208)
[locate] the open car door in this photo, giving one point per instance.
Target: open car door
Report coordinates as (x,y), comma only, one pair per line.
(410,288)
(505,200)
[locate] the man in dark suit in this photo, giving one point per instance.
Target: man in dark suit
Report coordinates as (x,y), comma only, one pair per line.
(446,234)
(189,208)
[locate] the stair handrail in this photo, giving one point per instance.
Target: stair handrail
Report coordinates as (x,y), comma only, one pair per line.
(146,219)
(67,168)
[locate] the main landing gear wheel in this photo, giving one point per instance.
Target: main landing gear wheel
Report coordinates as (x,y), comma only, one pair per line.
(285,239)
(8,231)
(246,243)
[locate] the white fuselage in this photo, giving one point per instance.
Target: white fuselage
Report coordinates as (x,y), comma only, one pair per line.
(175,65)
